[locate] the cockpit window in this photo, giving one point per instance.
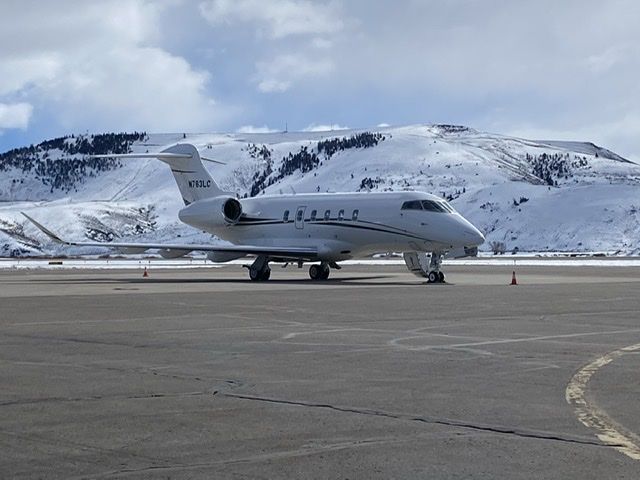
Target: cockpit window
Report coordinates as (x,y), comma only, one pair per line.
(428,205)
(412,205)
(448,207)
(432,206)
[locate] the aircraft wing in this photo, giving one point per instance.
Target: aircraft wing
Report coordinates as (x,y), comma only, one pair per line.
(281,252)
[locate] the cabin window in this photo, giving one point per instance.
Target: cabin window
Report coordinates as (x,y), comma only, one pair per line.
(327,214)
(354,216)
(313,215)
(432,206)
(412,205)
(341,215)
(285,217)
(299,215)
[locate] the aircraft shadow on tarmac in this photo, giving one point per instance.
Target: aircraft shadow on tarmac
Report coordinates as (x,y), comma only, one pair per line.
(371,280)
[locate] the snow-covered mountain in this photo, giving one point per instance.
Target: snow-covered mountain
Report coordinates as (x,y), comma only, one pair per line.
(530,194)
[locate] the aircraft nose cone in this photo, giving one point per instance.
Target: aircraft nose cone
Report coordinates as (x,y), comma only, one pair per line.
(474,236)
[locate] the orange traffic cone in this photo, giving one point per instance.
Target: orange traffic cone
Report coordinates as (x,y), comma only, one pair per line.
(513,278)
(145,274)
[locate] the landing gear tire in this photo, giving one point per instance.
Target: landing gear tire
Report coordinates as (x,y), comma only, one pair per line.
(254,274)
(315,272)
(259,269)
(436,277)
(265,274)
(325,272)
(319,272)
(259,275)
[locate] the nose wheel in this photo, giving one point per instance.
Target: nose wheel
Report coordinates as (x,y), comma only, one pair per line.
(425,266)
(436,277)
(435,262)
(319,272)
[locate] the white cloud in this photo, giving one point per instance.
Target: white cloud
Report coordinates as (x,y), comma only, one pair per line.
(280,18)
(610,58)
(16,73)
(271,85)
(619,134)
(314,127)
(281,72)
(565,67)
(144,88)
(15,115)
(253,129)
(287,61)
(95,66)
(321,43)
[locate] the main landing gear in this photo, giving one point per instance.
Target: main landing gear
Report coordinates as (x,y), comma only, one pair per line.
(259,269)
(319,272)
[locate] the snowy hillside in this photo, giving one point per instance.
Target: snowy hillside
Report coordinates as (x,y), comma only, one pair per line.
(533,195)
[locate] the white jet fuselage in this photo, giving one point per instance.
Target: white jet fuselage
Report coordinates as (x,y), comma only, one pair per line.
(339,225)
(324,228)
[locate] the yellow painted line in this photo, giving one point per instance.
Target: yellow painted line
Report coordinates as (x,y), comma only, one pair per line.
(592,416)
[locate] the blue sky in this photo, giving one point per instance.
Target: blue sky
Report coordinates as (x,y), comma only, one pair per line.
(543,69)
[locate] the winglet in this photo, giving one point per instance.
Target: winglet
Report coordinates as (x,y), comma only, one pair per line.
(45,230)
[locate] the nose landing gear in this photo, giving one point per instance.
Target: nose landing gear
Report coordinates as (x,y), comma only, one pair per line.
(436,277)
(425,266)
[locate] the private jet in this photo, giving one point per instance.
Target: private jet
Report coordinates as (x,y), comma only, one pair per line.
(322,229)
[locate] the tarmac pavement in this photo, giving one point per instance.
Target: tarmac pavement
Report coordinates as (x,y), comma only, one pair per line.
(371,374)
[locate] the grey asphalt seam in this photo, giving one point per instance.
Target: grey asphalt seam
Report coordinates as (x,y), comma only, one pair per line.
(523,433)
(32,401)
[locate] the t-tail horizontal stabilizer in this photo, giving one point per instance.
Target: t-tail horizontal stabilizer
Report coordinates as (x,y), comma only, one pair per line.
(185,162)
(160,156)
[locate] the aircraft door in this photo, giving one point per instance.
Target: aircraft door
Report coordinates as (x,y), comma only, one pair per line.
(300,217)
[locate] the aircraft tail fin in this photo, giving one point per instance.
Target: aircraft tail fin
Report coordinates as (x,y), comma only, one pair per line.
(193,180)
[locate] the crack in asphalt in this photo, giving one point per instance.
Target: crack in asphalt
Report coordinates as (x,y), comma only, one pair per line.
(29,401)
(503,430)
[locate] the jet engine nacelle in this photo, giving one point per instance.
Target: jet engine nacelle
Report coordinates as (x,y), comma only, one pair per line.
(212,212)
(225,209)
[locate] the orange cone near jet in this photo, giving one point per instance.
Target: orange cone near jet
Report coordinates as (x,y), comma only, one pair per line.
(145,274)
(513,278)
